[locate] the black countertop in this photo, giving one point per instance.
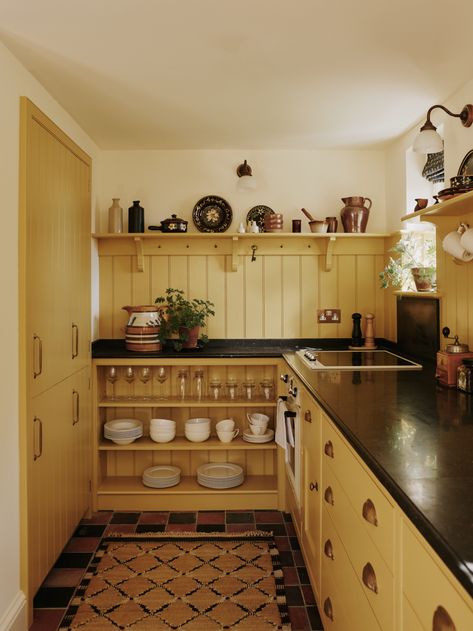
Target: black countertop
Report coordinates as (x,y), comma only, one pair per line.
(417,438)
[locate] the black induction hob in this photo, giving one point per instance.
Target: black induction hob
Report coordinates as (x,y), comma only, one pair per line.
(355,360)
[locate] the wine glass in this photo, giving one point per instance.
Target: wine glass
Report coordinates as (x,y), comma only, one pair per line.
(111,375)
(161,376)
(144,376)
(130,378)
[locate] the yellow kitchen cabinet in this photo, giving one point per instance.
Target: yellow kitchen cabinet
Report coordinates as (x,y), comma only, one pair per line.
(55,422)
(58,435)
(118,469)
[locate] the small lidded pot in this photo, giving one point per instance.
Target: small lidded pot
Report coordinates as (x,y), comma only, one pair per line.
(171,224)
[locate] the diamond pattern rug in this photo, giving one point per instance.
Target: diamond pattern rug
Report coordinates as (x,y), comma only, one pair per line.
(185,581)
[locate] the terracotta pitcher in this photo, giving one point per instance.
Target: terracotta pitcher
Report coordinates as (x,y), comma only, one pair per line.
(355,214)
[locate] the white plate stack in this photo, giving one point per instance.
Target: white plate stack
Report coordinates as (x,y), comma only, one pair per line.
(220,475)
(263,438)
(161,476)
(123,431)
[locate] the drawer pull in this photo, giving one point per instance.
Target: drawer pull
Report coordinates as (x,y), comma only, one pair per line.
(75,340)
(328,609)
(39,453)
(328,549)
(75,407)
(328,495)
(442,620)
(308,416)
(328,449)
(313,486)
(369,512)
(369,578)
(37,356)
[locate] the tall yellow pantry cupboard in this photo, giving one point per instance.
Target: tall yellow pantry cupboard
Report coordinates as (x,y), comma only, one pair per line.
(55,433)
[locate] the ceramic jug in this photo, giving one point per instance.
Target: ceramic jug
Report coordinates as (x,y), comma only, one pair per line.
(355,214)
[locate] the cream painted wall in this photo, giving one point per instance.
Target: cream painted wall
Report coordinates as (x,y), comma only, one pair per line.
(173,181)
(16,81)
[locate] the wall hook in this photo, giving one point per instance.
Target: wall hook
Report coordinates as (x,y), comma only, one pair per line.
(253,251)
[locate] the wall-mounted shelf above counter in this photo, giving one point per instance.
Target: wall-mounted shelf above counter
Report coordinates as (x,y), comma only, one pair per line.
(454,207)
(238,245)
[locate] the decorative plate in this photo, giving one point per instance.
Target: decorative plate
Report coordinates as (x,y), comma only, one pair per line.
(257,213)
(212,214)
(466,166)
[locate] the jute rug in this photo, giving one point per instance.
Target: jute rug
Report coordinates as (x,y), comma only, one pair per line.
(185,581)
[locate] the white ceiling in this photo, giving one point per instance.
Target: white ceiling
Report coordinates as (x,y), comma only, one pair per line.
(262,74)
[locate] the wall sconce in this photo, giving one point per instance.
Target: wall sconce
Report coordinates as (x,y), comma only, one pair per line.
(428,140)
(246,180)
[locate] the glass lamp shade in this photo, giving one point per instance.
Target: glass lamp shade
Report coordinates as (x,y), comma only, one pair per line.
(428,141)
(246,183)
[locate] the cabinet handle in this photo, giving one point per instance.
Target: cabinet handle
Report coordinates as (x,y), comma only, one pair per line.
(308,416)
(313,486)
(284,378)
(40,439)
(328,495)
(75,340)
(328,449)
(369,578)
(328,609)
(328,549)
(442,620)
(369,512)
(75,407)
(37,344)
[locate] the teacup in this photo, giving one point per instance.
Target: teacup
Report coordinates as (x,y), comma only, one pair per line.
(258,430)
(257,419)
(452,245)
(227,436)
(226,425)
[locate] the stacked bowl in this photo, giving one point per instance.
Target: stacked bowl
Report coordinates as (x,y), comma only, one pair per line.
(197,429)
(161,476)
(162,430)
(123,431)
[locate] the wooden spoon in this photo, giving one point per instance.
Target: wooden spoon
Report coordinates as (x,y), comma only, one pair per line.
(307,214)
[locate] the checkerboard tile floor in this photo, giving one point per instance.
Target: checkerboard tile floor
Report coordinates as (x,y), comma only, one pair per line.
(53,597)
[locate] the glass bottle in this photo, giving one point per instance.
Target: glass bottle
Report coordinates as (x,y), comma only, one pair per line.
(136,218)
(115,216)
(267,388)
(214,387)
(198,384)
(182,384)
(232,389)
(248,388)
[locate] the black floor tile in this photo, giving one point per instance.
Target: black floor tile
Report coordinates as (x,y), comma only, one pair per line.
(210,528)
(73,559)
(294,543)
(150,528)
(314,618)
(125,518)
(303,576)
(278,530)
(294,596)
(182,518)
(53,597)
(239,518)
(286,559)
(287,517)
(86,530)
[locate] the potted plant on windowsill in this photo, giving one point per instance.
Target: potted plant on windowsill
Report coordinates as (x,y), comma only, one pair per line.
(183,318)
(414,269)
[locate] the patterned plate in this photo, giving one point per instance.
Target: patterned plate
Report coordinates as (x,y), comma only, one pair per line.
(212,214)
(257,213)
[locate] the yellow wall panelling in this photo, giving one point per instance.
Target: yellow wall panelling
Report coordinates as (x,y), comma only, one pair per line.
(275,296)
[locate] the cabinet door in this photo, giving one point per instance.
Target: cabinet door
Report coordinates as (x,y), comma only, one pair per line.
(312,484)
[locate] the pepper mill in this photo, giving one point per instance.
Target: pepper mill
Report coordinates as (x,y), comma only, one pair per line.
(369,332)
(356,336)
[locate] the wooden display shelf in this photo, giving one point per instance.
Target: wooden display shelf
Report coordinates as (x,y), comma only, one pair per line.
(182,444)
(455,207)
(129,493)
(186,403)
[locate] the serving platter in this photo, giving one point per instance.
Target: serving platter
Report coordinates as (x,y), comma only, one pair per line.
(212,214)
(258,213)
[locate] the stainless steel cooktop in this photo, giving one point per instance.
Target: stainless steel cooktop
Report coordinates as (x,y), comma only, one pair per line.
(362,359)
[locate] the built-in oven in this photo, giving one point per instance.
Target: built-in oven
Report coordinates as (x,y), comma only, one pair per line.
(289,422)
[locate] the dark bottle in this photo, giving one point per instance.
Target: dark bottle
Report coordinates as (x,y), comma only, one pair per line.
(356,336)
(136,218)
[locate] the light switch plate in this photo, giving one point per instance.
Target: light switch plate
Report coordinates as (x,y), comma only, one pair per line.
(327,316)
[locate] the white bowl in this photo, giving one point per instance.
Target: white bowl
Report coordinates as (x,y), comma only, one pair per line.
(122,441)
(162,423)
(198,432)
(198,438)
(198,422)
(162,437)
(257,418)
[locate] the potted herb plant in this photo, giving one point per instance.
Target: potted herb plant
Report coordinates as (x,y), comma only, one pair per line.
(183,318)
(414,268)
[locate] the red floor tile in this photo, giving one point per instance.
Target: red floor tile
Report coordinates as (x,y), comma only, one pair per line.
(268,517)
(299,620)
(102,517)
(217,517)
(283,544)
(240,527)
(46,619)
(120,528)
(154,518)
(64,577)
(180,528)
(82,544)
(308,594)
(290,576)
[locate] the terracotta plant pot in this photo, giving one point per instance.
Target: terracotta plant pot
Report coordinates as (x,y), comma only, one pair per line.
(191,335)
(423,278)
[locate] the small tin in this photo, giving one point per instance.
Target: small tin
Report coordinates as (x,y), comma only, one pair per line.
(465,376)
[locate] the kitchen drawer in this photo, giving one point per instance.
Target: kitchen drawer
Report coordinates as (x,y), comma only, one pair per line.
(348,593)
(374,577)
(410,622)
(438,604)
(375,512)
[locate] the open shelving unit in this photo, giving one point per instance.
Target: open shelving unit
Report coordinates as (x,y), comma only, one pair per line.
(454,207)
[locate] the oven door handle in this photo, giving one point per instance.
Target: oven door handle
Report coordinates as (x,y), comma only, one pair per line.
(289,414)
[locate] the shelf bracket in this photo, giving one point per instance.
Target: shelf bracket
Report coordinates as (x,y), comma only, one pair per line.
(234,254)
(329,253)
(140,259)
